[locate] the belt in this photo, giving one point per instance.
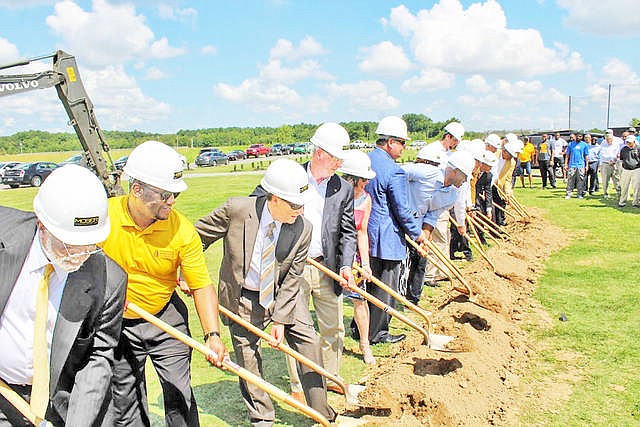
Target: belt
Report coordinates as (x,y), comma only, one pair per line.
(318,258)
(245,291)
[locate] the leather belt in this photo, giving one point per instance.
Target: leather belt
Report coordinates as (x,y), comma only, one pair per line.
(318,258)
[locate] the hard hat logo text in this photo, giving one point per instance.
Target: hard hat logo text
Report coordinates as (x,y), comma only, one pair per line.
(84,222)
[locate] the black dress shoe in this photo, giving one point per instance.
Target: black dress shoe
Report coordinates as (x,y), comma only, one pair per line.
(390,339)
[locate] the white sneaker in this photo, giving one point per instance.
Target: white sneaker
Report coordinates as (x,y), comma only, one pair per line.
(567,196)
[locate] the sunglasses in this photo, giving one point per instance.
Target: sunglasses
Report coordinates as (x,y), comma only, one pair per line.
(164,195)
(401,141)
(294,206)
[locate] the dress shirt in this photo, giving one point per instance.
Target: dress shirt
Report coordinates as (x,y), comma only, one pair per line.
(17,323)
(609,152)
(594,153)
(252,282)
(462,202)
(313,211)
(421,183)
(496,169)
(442,199)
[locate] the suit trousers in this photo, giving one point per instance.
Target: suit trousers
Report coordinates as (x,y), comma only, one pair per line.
(629,180)
(415,281)
(388,271)
(171,360)
(607,172)
(300,336)
(440,236)
(498,215)
(329,313)
(546,172)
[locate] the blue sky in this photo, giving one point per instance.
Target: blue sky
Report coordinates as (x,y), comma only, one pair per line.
(161,66)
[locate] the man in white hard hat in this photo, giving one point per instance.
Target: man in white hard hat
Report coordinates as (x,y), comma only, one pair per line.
(59,296)
(483,195)
(502,180)
(152,241)
(391,218)
(262,276)
(441,236)
(329,208)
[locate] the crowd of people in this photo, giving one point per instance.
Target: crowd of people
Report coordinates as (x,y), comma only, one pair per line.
(587,164)
(92,254)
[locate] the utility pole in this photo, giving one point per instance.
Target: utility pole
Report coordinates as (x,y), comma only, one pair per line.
(569,112)
(608,105)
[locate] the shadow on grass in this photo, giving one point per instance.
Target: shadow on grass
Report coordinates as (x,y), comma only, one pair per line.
(223,400)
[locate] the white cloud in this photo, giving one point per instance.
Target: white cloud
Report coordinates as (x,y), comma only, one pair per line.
(367,95)
(477,84)
(128,36)
(384,59)
(274,71)
(8,51)
(477,40)
(625,91)
(209,49)
(611,17)
(274,97)
(24,4)
(154,73)
(505,94)
(187,14)
(429,80)
(285,49)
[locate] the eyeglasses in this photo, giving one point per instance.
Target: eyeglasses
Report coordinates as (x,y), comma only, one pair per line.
(401,141)
(164,195)
(76,251)
(294,206)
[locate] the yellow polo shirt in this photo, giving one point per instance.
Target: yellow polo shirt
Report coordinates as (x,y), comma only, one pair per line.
(527,153)
(151,257)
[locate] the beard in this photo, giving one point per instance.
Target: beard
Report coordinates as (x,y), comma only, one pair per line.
(66,262)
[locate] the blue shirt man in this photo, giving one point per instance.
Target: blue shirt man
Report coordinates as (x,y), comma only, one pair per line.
(576,153)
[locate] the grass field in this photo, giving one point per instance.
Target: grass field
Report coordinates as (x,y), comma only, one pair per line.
(593,282)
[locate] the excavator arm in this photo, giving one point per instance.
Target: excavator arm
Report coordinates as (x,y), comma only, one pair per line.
(66,79)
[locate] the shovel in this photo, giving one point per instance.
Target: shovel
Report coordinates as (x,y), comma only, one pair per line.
(484,228)
(373,300)
(433,341)
(22,405)
(476,243)
(350,391)
(229,365)
(493,226)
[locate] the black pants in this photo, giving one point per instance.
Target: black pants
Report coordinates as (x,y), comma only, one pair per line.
(547,172)
(591,182)
(498,215)
(558,164)
(388,271)
(458,243)
(417,267)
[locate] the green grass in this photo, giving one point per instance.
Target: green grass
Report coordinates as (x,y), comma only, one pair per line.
(593,281)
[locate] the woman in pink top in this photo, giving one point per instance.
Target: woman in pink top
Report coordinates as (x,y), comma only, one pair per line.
(357,170)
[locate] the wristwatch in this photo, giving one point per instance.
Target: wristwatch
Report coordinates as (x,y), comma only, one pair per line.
(211,334)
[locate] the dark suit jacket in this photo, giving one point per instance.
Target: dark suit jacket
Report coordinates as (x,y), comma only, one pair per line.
(339,242)
(483,186)
(87,329)
(238,222)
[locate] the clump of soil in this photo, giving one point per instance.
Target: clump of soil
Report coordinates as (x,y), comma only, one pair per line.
(477,382)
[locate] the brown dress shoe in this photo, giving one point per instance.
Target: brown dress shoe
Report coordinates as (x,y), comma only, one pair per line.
(335,388)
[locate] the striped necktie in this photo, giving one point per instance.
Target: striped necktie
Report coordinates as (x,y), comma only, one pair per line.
(40,385)
(267,267)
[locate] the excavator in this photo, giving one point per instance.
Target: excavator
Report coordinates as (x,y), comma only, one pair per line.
(66,79)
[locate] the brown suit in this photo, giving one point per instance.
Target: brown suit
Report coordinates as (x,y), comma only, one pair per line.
(238,222)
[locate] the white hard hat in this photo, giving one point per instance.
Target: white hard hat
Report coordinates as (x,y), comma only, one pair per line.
(157,164)
(72,205)
(357,163)
(286,179)
(393,126)
(513,148)
(455,129)
(511,137)
(476,146)
(463,161)
(487,157)
(463,145)
(331,137)
(493,140)
(431,152)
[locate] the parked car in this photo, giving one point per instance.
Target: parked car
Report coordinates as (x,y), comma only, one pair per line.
(32,174)
(418,144)
(302,148)
(207,149)
(257,150)
(236,155)
(77,159)
(358,144)
(290,147)
(119,164)
(212,158)
(280,149)
(7,165)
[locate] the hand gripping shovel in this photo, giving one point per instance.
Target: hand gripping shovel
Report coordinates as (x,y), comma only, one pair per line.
(475,242)
(433,341)
(22,405)
(350,391)
(229,365)
(373,300)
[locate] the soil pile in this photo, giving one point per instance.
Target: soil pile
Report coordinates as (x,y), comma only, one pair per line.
(478,382)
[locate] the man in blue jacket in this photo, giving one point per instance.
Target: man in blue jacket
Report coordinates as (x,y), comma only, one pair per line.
(391,218)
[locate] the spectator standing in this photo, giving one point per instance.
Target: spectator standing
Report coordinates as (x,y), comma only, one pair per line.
(545,162)
(630,174)
(558,148)
(591,182)
(577,159)
(609,153)
(526,157)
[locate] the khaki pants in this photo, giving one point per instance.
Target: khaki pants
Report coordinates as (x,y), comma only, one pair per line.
(629,180)
(440,236)
(328,307)
(607,172)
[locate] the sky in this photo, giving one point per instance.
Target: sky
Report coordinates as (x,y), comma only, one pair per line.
(166,65)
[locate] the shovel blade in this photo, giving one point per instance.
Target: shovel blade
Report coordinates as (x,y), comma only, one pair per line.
(353,390)
(438,342)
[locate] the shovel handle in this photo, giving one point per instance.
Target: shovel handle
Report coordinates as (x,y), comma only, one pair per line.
(21,405)
(373,300)
(482,227)
(475,244)
(283,347)
(229,365)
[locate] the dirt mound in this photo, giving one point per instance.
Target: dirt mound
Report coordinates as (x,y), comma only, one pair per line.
(478,381)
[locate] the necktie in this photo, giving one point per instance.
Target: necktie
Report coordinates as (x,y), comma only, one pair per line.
(267,267)
(40,387)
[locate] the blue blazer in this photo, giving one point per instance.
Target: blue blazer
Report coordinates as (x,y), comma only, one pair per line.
(391,218)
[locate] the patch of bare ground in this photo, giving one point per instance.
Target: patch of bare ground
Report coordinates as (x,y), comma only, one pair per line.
(481,379)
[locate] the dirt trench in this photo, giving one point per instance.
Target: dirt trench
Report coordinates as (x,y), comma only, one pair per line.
(480,382)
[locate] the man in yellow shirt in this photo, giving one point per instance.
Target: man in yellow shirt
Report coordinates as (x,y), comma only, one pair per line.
(526,158)
(151,241)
